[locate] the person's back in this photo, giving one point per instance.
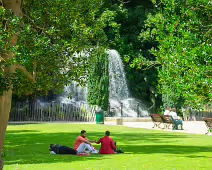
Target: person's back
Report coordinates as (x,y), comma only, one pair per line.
(167,111)
(176,119)
(107,144)
(173,114)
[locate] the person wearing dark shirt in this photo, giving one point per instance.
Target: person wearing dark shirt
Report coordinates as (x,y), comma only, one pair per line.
(58,149)
(107,144)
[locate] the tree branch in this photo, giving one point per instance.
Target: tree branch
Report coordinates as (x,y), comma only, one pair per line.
(24,70)
(123,2)
(36,26)
(34,70)
(152,65)
(1,58)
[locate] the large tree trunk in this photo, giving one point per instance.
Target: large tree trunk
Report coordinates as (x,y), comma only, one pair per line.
(6,98)
(5,106)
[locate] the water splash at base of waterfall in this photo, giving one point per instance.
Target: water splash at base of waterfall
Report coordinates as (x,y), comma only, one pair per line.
(121,102)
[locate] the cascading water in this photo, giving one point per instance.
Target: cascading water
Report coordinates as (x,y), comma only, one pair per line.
(117,86)
(121,103)
(73,93)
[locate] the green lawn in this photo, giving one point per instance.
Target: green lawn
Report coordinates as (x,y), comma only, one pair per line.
(27,148)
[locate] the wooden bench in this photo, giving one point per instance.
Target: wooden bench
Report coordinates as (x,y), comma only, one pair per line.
(169,121)
(156,119)
(208,123)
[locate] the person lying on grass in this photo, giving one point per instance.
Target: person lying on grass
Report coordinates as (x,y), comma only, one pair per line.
(107,144)
(82,144)
(58,149)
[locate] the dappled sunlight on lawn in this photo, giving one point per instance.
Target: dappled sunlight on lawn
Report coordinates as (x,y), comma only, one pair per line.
(28,145)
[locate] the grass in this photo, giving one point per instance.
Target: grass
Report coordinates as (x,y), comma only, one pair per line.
(27,149)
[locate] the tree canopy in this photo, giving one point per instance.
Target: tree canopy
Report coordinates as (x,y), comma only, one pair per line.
(50,34)
(45,45)
(184,54)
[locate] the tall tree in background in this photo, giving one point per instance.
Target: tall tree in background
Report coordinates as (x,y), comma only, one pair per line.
(38,43)
(182,28)
(98,81)
(142,78)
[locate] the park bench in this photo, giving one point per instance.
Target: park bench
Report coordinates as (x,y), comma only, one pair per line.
(156,119)
(169,121)
(208,123)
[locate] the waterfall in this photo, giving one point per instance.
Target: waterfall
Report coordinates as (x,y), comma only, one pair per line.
(118,86)
(73,93)
(121,102)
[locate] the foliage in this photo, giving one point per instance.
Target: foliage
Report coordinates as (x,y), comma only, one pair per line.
(52,35)
(98,81)
(122,28)
(183,31)
(142,78)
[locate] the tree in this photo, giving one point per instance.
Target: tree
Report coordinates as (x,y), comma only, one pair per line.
(122,30)
(39,46)
(183,31)
(98,83)
(142,78)
(6,69)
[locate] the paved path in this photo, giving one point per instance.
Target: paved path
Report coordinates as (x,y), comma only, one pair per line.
(194,127)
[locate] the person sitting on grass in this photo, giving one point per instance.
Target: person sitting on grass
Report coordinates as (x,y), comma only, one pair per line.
(176,119)
(107,144)
(58,149)
(82,144)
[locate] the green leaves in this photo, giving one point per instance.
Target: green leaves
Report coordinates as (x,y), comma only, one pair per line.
(183,50)
(51,33)
(98,82)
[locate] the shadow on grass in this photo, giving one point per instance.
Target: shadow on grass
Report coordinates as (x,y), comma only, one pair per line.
(177,150)
(22,123)
(21,131)
(32,147)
